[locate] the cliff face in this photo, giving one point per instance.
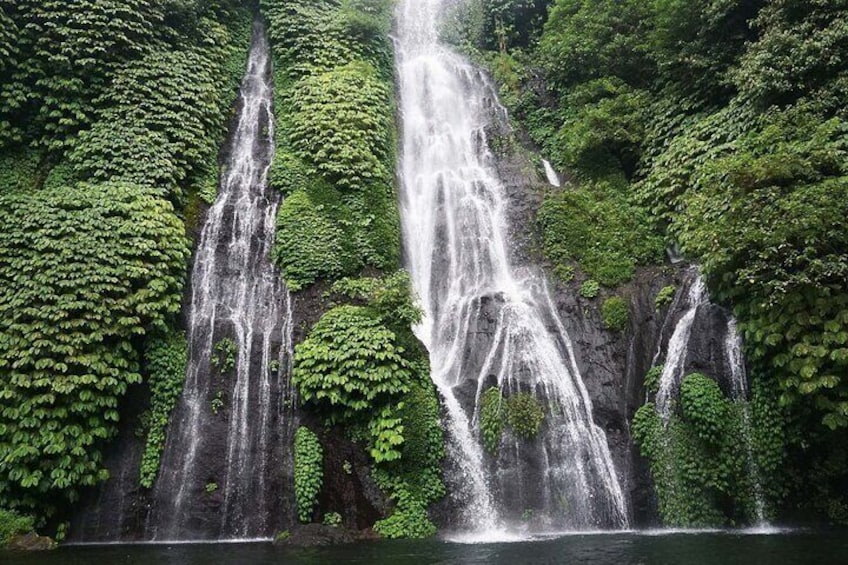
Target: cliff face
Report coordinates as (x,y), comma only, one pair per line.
(613,364)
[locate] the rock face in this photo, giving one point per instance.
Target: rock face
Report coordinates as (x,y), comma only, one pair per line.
(613,365)
(30,542)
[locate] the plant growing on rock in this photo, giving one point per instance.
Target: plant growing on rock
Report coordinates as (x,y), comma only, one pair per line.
(308,472)
(615,314)
(524,415)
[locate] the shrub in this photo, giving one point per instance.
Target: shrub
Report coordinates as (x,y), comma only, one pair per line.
(349,364)
(333,519)
(84,272)
(615,313)
(598,227)
(524,415)
(665,297)
(13,524)
(308,472)
(590,289)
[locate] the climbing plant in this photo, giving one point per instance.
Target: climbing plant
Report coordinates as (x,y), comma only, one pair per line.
(308,472)
(82,279)
(166,363)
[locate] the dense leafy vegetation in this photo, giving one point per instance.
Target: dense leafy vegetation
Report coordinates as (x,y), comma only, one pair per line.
(702,463)
(12,524)
(721,126)
(335,139)
(167,360)
(362,367)
(308,472)
(110,114)
(615,313)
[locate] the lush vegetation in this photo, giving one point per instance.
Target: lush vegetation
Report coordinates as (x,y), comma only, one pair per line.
(708,467)
(167,360)
(720,126)
(12,524)
(102,145)
(615,313)
(308,472)
(521,413)
(335,139)
(362,367)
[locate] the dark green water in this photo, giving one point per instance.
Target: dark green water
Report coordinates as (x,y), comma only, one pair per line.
(798,547)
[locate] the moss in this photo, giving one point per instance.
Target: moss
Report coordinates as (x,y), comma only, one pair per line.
(615,313)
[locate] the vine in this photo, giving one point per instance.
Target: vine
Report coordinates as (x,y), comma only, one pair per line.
(308,472)
(167,360)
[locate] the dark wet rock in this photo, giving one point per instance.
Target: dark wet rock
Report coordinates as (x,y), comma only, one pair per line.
(30,542)
(319,535)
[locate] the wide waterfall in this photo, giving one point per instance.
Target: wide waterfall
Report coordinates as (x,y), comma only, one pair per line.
(225,466)
(488,323)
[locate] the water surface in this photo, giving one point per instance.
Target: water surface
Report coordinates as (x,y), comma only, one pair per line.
(705,548)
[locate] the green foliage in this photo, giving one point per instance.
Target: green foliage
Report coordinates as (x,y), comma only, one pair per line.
(665,297)
(333,519)
(312,242)
(599,228)
(615,313)
(224,357)
(603,128)
(335,139)
(13,524)
(84,271)
(350,363)
(587,39)
(706,458)
(704,407)
(217,403)
(414,482)
(166,361)
(801,48)
(524,415)
(389,296)
(341,127)
(590,289)
(491,418)
(308,472)
(652,379)
(211,488)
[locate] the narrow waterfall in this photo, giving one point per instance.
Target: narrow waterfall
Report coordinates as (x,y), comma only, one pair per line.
(224,468)
(696,302)
(675,361)
(551,174)
(488,323)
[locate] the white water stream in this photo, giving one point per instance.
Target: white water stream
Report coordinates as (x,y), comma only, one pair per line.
(227,446)
(486,322)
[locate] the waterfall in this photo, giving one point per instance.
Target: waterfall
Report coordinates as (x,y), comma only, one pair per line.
(697,301)
(551,174)
(739,393)
(486,322)
(224,465)
(675,361)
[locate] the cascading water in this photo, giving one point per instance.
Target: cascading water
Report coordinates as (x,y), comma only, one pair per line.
(486,322)
(697,300)
(551,174)
(224,469)
(675,361)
